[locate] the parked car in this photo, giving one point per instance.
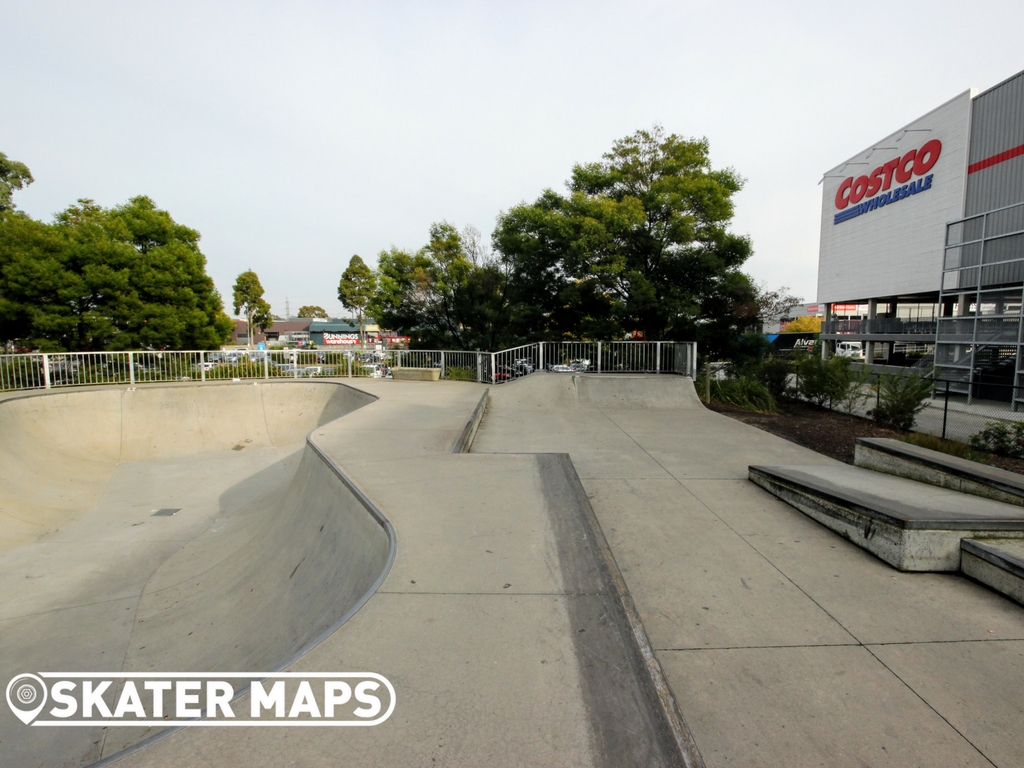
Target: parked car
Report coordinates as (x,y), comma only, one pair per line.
(851,349)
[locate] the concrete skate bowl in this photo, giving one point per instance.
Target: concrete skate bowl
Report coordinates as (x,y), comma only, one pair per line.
(617,391)
(174,528)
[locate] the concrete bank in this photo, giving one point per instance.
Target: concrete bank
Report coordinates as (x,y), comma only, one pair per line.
(164,529)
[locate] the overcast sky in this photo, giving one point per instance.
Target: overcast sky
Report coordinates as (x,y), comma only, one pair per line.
(293,135)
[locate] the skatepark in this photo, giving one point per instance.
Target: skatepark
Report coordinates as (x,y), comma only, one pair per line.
(560,570)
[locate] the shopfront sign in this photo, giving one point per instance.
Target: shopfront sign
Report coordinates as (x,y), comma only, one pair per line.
(860,195)
(340,339)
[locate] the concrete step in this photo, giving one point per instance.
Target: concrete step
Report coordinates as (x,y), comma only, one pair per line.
(996,563)
(896,457)
(910,525)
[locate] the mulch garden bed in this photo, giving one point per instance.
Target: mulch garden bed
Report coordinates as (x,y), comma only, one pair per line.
(828,432)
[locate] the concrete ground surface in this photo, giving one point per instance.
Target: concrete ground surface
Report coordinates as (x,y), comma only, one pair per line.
(785,644)
(493,624)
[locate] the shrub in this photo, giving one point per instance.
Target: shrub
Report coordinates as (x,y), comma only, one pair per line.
(900,399)
(773,372)
(459,373)
(743,392)
(857,393)
(823,382)
(1001,437)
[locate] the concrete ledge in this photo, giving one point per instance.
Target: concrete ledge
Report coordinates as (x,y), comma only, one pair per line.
(895,457)
(416,374)
(465,442)
(912,527)
(996,563)
(638,718)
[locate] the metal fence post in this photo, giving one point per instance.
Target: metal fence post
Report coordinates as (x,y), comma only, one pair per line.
(348,357)
(599,357)
(266,364)
(494,370)
(945,412)
(46,371)
(657,354)
(442,363)
(131,368)
(202,366)
(479,368)
(540,346)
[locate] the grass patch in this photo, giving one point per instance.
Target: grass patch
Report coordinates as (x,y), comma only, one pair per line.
(950,447)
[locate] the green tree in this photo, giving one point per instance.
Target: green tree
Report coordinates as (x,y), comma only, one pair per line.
(444,295)
(356,289)
(901,398)
(640,245)
(249,301)
(314,311)
(129,277)
(13,175)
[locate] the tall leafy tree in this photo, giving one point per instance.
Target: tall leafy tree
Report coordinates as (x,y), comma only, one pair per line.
(445,294)
(249,302)
(356,288)
(13,175)
(129,277)
(314,311)
(640,245)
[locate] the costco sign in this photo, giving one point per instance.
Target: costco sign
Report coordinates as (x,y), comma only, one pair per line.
(859,195)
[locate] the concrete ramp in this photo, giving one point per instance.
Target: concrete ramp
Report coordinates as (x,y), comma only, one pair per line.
(623,392)
(542,391)
(173,528)
(59,451)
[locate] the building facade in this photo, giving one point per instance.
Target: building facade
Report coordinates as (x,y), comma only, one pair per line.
(922,240)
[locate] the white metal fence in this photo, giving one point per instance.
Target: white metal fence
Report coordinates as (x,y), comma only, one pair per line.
(47,371)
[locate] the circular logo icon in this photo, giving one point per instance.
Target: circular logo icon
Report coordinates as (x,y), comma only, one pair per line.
(26,696)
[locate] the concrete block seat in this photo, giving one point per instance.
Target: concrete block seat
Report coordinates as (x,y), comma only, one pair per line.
(896,457)
(910,525)
(416,374)
(996,563)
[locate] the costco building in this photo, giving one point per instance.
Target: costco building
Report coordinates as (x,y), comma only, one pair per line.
(922,241)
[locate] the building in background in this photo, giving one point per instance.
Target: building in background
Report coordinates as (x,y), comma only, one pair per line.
(343,333)
(281,333)
(979,340)
(796,312)
(922,240)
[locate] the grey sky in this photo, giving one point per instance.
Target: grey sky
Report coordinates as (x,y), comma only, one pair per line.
(292,135)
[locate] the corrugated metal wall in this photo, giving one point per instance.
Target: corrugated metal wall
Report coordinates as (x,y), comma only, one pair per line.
(997,125)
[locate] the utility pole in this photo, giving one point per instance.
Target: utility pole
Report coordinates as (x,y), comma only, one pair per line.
(287,309)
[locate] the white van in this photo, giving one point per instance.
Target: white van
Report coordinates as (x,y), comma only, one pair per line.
(851,349)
